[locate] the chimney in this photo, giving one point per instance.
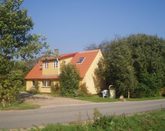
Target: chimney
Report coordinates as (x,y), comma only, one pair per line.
(56,52)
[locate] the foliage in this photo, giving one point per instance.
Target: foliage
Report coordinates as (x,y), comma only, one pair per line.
(35,88)
(148,56)
(69,80)
(19,106)
(9,87)
(135,65)
(102,74)
(83,91)
(139,122)
(16,43)
(120,68)
(55,89)
(162,91)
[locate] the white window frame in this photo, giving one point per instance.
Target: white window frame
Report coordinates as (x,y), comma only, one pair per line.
(56,63)
(46,83)
(46,64)
(81,61)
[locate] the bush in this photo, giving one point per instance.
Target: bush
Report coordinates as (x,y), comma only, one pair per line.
(83,91)
(33,90)
(55,89)
(9,88)
(69,80)
(162,92)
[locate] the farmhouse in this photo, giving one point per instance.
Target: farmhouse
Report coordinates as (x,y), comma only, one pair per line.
(46,72)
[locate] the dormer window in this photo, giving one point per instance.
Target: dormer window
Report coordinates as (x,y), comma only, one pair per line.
(46,64)
(80,60)
(55,63)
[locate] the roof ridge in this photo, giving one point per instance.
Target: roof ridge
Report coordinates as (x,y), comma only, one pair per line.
(88,51)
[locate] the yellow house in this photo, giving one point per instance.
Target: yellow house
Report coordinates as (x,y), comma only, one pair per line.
(47,70)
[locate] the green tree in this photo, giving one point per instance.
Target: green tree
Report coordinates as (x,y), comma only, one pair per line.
(16,43)
(121,70)
(149,63)
(69,80)
(135,64)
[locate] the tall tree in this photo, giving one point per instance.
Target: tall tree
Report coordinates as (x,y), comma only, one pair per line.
(149,63)
(16,42)
(121,70)
(135,64)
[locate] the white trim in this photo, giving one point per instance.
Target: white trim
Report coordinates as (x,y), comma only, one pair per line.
(45,83)
(81,61)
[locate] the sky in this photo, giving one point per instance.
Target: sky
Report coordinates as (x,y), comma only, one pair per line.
(72,25)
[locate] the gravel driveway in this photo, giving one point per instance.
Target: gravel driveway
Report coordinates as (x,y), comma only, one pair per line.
(45,100)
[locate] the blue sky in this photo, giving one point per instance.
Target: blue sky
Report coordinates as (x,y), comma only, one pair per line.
(72,25)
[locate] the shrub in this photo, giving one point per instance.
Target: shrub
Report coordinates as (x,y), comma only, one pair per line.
(33,90)
(55,89)
(83,91)
(69,80)
(162,92)
(9,88)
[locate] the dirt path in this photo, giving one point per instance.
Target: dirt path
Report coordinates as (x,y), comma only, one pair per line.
(50,101)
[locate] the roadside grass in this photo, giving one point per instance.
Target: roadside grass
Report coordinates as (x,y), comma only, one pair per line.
(148,121)
(96,98)
(19,106)
(146,98)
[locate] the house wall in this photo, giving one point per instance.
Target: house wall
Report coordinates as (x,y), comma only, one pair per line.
(51,70)
(90,78)
(66,60)
(41,89)
(54,71)
(29,85)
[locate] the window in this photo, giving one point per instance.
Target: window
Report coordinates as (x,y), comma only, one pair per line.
(46,64)
(46,83)
(80,60)
(56,63)
(33,83)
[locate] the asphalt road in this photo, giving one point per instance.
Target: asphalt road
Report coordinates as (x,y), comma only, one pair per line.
(69,113)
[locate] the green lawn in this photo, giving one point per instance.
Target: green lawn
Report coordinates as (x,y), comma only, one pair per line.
(146,98)
(149,121)
(20,106)
(96,98)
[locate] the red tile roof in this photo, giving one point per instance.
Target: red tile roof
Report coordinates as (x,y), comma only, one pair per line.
(89,56)
(64,56)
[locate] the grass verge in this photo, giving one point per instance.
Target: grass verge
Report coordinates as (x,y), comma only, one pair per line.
(149,121)
(20,106)
(96,98)
(146,98)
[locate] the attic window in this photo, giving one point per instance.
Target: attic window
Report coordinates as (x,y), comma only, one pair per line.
(46,64)
(56,63)
(80,60)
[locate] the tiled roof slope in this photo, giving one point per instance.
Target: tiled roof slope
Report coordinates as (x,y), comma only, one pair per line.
(89,56)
